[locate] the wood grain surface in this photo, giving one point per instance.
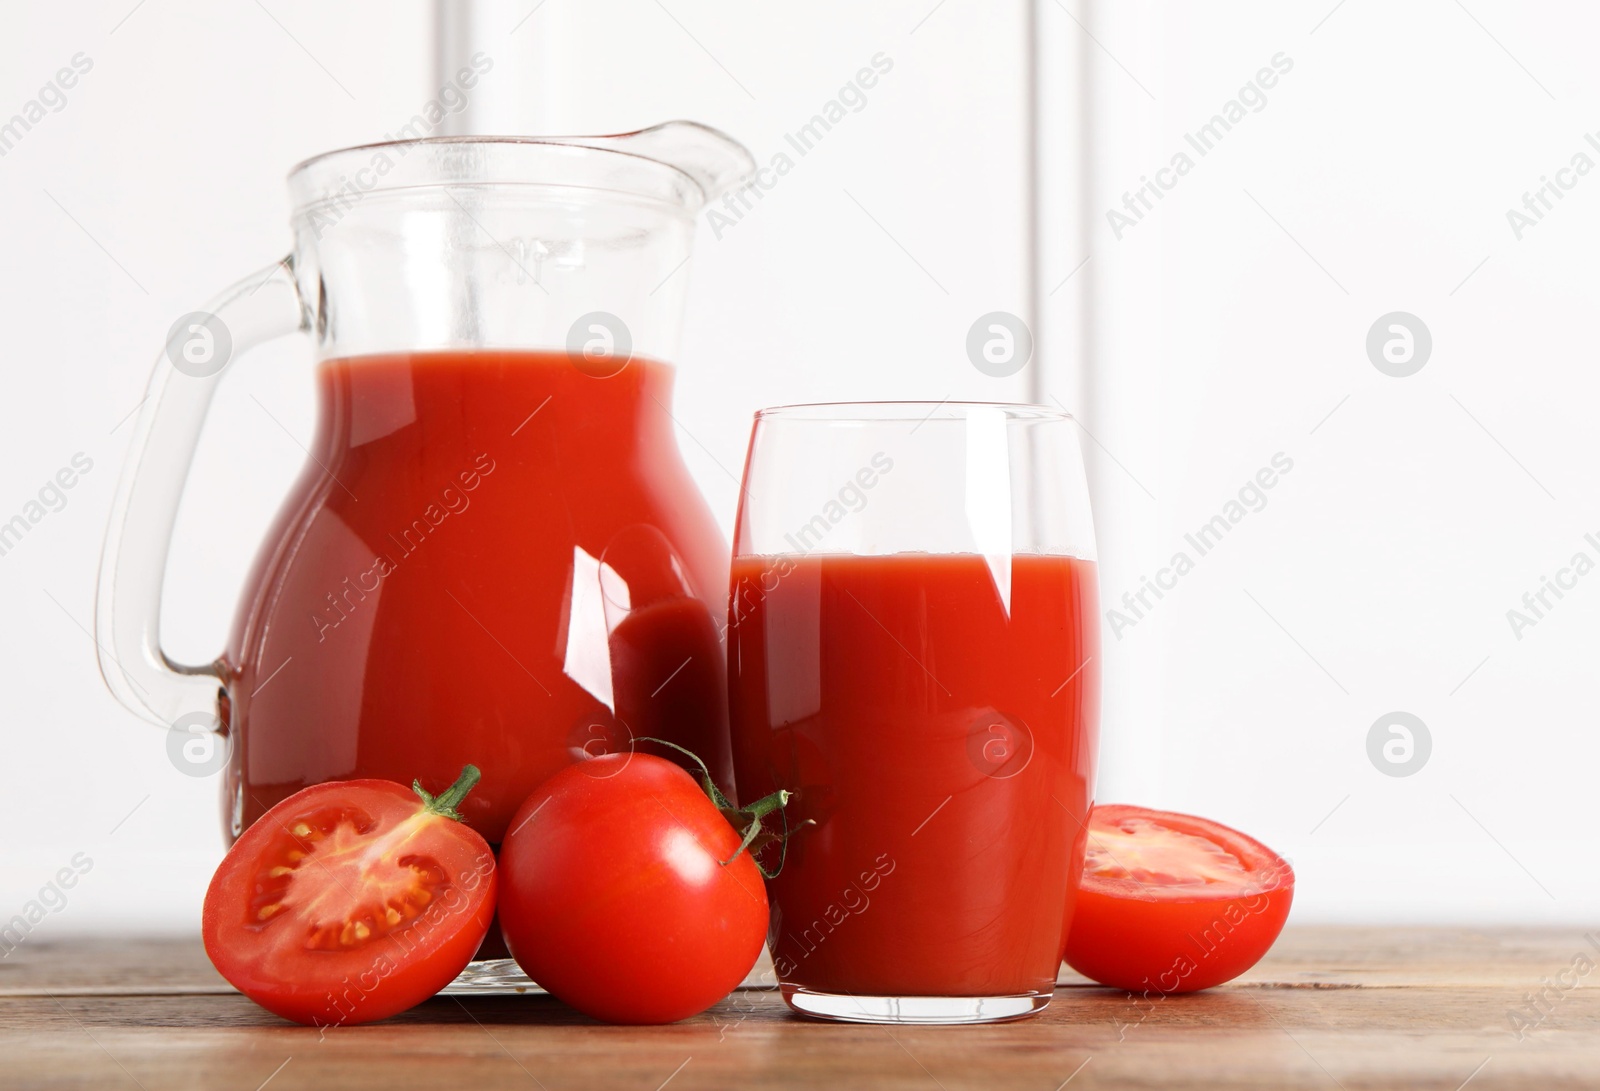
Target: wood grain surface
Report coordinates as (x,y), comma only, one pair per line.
(1329,1008)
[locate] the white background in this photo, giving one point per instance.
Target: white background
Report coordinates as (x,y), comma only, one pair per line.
(1225,327)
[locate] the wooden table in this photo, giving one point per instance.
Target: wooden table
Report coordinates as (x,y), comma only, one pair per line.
(1329,1008)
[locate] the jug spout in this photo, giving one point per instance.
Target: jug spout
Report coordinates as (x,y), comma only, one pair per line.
(712,159)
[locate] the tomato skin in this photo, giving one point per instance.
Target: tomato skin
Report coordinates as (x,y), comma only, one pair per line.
(1170,939)
(614,897)
(278,965)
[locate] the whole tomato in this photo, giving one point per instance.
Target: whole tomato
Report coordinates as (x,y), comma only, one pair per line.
(628,894)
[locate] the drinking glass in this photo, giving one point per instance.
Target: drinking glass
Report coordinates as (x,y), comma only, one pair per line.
(912,652)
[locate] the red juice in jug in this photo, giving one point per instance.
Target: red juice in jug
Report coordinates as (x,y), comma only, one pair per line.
(494,557)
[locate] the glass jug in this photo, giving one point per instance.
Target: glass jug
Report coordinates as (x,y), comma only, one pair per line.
(495,553)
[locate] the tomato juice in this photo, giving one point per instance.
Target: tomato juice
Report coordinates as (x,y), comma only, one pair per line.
(940,734)
(492,557)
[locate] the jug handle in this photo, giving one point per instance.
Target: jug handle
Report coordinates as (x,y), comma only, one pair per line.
(133,565)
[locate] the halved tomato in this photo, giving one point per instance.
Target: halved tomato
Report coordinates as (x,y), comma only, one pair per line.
(351,901)
(1172,903)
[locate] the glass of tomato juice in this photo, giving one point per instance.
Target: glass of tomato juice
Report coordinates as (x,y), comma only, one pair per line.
(912,646)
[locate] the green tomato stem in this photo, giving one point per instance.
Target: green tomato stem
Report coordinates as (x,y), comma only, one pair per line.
(747,822)
(444,804)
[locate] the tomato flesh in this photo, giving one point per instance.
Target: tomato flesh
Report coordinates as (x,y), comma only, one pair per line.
(349,902)
(622,892)
(1173,903)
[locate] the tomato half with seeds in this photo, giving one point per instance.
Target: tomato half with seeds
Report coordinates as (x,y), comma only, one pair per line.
(1171,903)
(351,901)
